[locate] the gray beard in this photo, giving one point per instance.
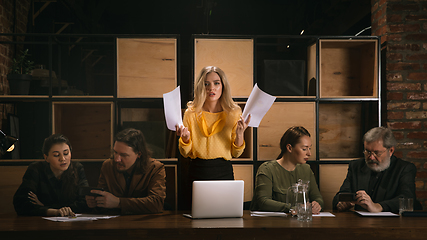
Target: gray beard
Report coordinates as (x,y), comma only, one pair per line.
(380,167)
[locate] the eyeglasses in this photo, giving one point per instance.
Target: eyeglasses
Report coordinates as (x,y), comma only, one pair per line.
(375,153)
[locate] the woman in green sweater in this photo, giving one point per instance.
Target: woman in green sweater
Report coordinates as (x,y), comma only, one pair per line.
(275,177)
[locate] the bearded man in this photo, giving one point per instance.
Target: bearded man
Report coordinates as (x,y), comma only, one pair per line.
(379,180)
(132,181)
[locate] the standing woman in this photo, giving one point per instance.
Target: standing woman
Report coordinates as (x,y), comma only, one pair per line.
(275,177)
(213,128)
(51,187)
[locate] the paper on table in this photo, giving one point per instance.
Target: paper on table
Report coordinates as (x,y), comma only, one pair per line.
(257,106)
(267,214)
(80,217)
(380,214)
(324,214)
(172,107)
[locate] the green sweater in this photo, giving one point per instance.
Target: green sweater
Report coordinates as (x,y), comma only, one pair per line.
(272,182)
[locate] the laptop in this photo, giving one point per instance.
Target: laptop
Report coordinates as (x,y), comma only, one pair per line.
(217,199)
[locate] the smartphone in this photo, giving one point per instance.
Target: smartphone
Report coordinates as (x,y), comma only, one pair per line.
(83,191)
(346,197)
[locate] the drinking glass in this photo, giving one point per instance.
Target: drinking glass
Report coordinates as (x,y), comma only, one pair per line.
(406,205)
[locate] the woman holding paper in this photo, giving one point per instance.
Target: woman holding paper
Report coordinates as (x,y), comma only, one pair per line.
(274,178)
(213,128)
(51,187)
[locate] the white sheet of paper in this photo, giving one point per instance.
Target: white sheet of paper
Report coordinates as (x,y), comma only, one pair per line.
(257,106)
(80,218)
(380,214)
(172,107)
(324,214)
(267,214)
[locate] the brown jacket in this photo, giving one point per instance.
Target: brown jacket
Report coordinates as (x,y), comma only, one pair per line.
(147,192)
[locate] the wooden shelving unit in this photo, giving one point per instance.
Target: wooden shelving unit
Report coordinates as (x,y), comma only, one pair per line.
(330,85)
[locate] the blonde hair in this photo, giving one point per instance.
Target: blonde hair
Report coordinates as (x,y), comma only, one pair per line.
(225,100)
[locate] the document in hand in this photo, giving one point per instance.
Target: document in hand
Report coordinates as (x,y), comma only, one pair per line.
(257,106)
(172,107)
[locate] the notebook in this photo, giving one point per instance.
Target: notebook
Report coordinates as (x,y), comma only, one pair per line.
(418,213)
(217,199)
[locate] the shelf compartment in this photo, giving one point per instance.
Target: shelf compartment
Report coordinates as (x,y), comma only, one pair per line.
(282,65)
(233,56)
(146,67)
(348,68)
(342,126)
(331,178)
(280,117)
(88,126)
(245,172)
(160,140)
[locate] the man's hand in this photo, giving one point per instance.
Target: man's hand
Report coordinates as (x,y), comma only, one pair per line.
(315,207)
(107,200)
(344,206)
(90,201)
(365,201)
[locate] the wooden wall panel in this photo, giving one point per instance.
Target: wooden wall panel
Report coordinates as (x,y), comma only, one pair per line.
(88,126)
(248,135)
(171,200)
(311,70)
(278,119)
(146,67)
(340,130)
(331,178)
(245,173)
(10,180)
(233,56)
(347,68)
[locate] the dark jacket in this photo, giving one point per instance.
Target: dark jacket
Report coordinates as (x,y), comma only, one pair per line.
(40,180)
(396,181)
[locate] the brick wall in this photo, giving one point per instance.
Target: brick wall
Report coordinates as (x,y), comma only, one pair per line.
(9,24)
(402,25)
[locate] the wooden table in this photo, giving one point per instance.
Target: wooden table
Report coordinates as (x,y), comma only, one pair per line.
(172,225)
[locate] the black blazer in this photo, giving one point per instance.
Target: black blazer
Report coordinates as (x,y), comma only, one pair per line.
(397,181)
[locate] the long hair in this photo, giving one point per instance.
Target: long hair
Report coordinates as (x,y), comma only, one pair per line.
(135,139)
(291,136)
(225,100)
(70,177)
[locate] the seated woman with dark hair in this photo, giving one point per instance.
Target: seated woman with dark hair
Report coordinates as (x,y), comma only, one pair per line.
(51,187)
(275,177)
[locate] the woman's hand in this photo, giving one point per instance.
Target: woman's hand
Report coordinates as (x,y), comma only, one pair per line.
(65,212)
(62,212)
(242,125)
(240,129)
(183,132)
(34,200)
(315,207)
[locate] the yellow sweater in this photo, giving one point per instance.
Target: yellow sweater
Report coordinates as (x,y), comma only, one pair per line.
(212,135)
